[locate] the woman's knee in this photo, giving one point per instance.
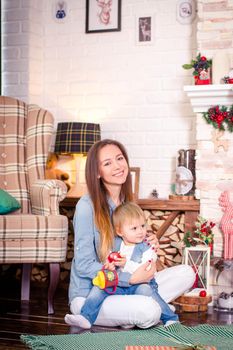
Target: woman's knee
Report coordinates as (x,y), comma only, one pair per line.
(189,275)
(149,314)
(174,281)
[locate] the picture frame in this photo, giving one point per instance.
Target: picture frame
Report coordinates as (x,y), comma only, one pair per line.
(186,11)
(135,176)
(103,16)
(145,29)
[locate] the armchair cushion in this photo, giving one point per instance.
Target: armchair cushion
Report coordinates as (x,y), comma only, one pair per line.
(33,238)
(7,203)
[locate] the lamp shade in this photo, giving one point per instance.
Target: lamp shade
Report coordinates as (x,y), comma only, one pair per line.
(76,137)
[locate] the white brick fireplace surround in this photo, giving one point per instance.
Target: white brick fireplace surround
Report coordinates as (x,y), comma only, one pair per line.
(212,168)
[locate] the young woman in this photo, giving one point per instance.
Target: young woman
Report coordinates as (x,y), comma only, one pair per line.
(109,184)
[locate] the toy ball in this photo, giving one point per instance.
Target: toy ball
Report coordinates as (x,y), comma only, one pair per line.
(202,294)
(113,256)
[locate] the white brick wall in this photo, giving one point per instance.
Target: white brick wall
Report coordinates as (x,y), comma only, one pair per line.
(135,92)
(22,49)
(213,35)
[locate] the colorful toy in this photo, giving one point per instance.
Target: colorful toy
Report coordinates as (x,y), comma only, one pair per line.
(113,256)
(106,279)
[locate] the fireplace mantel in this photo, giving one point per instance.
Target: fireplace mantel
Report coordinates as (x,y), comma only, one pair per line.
(202,97)
(214,153)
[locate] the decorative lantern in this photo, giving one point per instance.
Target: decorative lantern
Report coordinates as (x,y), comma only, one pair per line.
(199,258)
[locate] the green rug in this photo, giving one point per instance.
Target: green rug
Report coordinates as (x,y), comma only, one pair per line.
(219,336)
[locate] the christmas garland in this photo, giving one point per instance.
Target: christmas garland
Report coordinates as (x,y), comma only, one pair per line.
(220,117)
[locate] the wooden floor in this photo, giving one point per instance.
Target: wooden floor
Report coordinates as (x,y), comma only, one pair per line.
(18,318)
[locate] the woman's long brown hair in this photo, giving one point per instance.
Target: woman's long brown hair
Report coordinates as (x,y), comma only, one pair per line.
(99,195)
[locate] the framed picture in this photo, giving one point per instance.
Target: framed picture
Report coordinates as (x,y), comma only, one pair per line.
(135,175)
(103,16)
(145,30)
(185,11)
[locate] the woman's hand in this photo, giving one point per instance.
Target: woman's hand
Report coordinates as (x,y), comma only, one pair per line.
(152,240)
(144,273)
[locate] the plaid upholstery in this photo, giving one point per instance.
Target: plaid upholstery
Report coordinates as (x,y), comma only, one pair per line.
(46,195)
(33,238)
(25,136)
(76,137)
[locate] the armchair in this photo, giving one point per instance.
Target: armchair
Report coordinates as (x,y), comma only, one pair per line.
(35,233)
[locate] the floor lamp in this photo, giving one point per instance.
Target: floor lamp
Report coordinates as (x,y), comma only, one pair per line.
(76,139)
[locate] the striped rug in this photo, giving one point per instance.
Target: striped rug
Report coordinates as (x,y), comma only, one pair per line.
(219,336)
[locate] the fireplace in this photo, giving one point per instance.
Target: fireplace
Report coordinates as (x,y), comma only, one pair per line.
(213,164)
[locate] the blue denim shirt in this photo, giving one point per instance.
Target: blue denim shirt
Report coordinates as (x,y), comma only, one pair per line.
(86,263)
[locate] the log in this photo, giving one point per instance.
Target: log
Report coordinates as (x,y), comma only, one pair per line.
(192,303)
(164,240)
(174,237)
(171,251)
(177,259)
(195,300)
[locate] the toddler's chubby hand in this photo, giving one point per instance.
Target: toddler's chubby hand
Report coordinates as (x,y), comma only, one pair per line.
(120,262)
(117,259)
(109,266)
(113,256)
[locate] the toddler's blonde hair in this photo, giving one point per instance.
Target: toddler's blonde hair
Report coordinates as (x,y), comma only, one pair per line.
(126,213)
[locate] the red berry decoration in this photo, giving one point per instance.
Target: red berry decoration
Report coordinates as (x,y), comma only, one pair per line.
(202,294)
(113,256)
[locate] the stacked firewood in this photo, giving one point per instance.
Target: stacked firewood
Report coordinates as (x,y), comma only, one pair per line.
(170,250)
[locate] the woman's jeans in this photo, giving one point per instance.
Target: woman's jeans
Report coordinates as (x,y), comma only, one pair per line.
(93,303)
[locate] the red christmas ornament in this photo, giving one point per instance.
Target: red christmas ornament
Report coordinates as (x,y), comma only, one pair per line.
(113,256)
(220,118)
(203,58)
(202,294)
